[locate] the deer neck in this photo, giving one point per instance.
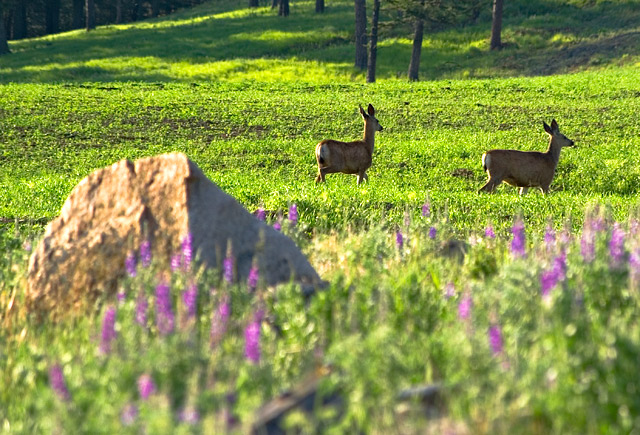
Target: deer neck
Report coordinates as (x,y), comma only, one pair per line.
(369,136)
(554,151)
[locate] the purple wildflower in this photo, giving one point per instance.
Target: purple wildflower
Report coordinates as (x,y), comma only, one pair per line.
(432,233)
(27,245)
(293,214)
(399,239)
(634,265)
(227,266)
(130,264)
(187,251)
(464,307)
(219,322)
(190,300)
(146,386)
(426,208)
(175,262)
(121,295)
(252,341)
(449,290)
(495,339)
(189,415)
(518,241)
(550,237)
(129,414)
(165,319)
(261,214)
(277,226)
(616,245)
(548,281)
(252,279)
(489,232)
(145,253)
(560,265)
(57,382)
(108,330)
(141,310)
(588,244)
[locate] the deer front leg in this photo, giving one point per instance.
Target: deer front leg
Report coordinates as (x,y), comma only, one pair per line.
(523,191)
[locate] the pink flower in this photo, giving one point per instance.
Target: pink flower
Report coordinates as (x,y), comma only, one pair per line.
(146,386)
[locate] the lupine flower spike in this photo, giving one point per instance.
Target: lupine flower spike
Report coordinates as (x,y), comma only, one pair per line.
(146,386)
(219,322)
(130,264)
(518,241)
(495,339)
(293,215)
(190,300)
(252,338)
(57,382)
(489,232)
(399,240)
(464,307)
(227,265)
(252,279)
(165,319)
(616,245)
(108,330)
(145,253)
(187,251)
(426,208)
(141,309)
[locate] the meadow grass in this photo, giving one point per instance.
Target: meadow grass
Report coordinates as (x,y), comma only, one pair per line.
(544,342)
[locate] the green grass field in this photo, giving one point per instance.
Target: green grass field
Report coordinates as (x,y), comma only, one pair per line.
(247,95)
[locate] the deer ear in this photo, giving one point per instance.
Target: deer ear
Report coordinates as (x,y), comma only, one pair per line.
(371,110)
(554,126)
(362,112)
(546,127)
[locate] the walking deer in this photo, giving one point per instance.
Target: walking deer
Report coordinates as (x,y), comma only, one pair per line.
(525,169)
(349,157)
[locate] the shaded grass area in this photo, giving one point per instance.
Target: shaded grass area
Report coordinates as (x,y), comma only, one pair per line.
(217,41)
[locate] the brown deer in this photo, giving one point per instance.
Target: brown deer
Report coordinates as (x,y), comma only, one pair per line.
(349,157)
(525,169)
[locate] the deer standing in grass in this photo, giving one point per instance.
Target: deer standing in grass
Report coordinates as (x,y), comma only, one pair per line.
(525,169)
(349,157)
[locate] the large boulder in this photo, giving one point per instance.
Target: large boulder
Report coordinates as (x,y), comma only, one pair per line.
(160,199)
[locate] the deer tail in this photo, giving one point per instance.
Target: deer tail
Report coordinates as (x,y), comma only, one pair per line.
(486,159)
(322,154)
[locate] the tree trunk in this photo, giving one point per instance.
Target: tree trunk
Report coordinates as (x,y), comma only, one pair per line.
(118,11)
(90,14)
(496,25)
(274,4)
(414,66)
(4,46)
(19,20)
(373,43)
(361,34)
(284,8)
(254,3)
(52,16)
(77,14)
(155,8)
(319,6)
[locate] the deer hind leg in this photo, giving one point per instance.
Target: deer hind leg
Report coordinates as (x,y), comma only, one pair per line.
(523,191)
(491,185)
(320,177)
(362,176)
